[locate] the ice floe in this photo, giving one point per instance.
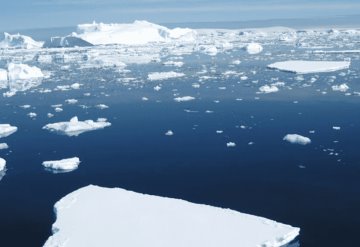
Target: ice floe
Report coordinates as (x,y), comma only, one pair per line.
(23,72)
(254,48)
(137,33)
(74,127)
(64,165)
(158,76)
(169,133)
(124,218)
(307,67)
(268,89)
(297,139)
(6,130)
(341,88)
(18,41)
(184,98)
(231,144)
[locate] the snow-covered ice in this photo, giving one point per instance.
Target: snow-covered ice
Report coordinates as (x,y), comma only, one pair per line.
(297,139)
(96,216)
(307,67)
(74,127)
(62,165)
(6,130)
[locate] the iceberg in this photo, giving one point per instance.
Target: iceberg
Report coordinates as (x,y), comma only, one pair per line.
(67,41)
(6,130)
(64,165)
(307,67)
(297,139)
(18,41)
(3,146)
(95,216)
(137,33)
(75,127)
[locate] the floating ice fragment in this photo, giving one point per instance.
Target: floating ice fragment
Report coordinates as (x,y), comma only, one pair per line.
(6,130)
(341,88)
(71,101)
(231,144)
(157,76)
(75,127)
(62,165)
(297,139)
(169,133)
(306,67)
(3,146)
(268,89)
(2,164)
(32,114)
(336,128)
(102,106)
(254,48)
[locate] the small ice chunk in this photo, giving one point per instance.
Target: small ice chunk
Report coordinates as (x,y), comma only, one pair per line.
(231,144)
(219,131)
(71,101)
(32,114)
(297,139)
(341,88)
(2,164)
(336,128)
(3,146)
(6,130)
(268,89)
(184,98)
(75,127)
(62,165)
(169,133)
(254,48)
(75,86)
(102,106)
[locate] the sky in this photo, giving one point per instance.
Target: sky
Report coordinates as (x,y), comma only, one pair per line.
(24,14)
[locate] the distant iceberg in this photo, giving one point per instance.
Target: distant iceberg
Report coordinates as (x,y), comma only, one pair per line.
(307,67)
(137,33)
(95,216)
(17,41)
(75,127)
(68,41)
(64,165)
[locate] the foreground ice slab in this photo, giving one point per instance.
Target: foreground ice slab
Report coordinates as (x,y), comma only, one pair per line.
(137,33)
(307,67)
(18,41)
(297,139)
(96,216)
(6,130)
(64,165)
(75,127)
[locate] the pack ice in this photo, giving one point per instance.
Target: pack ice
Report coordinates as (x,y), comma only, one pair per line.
(96,216)
(137,33)
(74,127)
(307,67)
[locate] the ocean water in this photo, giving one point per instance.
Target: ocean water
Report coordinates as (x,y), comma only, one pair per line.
(315,187)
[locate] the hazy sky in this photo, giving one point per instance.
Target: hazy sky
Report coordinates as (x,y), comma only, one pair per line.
(21,14)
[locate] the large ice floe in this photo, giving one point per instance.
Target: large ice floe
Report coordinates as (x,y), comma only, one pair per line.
(74,127)
(17,41)
(137,33)
(64,165)
(297,139)
(6,130)
(307,67)
(96,216)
